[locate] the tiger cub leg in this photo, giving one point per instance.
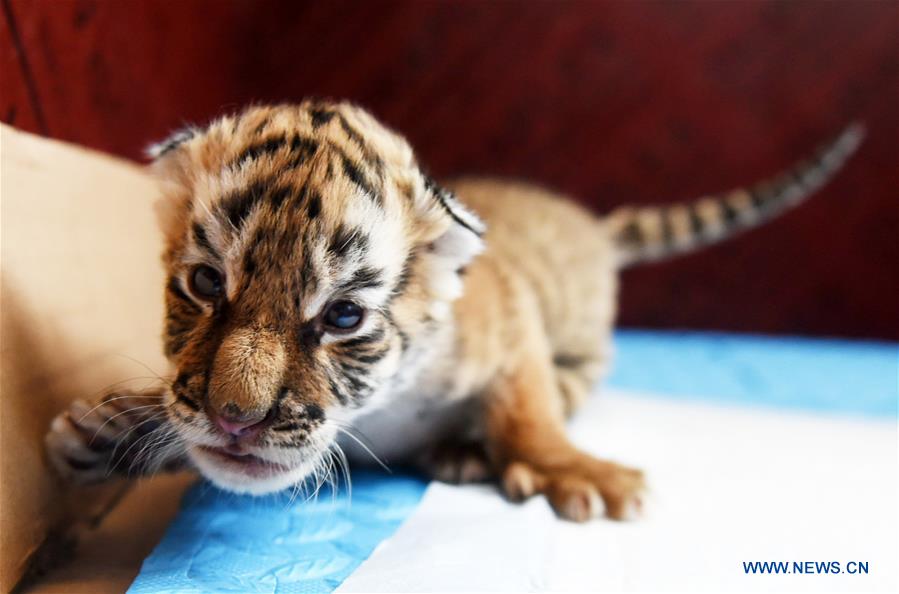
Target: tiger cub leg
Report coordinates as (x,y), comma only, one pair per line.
(575,377)
(525,414)
(124,434)
(457,462)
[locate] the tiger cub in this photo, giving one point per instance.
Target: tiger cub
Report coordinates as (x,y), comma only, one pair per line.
(326,298)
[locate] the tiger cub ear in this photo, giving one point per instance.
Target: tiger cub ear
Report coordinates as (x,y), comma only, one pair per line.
(170,168)
(456,232)
(160,149)
(460,214)
(453,235)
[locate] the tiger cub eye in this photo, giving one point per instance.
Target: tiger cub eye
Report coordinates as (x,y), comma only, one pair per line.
(206,282)
(343,315)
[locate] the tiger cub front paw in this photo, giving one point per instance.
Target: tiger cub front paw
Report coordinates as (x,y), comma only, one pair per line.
(88,444)
(580,491)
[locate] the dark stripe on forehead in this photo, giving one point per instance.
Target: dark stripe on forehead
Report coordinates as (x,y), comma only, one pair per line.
(302,149)
(299,198)
(259,128)
(356,176)
(299,147)
(308,277)
(368,154)
(344,240)
(277,196)
(265,147)
(320,116)
(314,207)
(239,204)
(351,132)
(261,235)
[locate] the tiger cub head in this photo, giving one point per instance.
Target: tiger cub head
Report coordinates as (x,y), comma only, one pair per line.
(307,254)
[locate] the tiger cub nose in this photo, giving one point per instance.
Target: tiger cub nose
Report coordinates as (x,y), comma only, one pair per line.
(242,427)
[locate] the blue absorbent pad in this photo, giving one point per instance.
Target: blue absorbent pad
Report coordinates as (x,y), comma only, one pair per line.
(834,376)
(222,542)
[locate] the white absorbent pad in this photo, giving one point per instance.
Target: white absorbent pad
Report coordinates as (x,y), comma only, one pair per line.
(730,486)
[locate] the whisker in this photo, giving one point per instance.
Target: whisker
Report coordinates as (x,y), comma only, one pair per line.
(116,460)
(348,481)
(123,436)
(349,428)
(334,477)
(142,459)
(110,387)
(147,436)
(329,475)
(100,428)
(135,427)
(294,489)
(157,453)
(147,367)
(316,472)
(166,451)
(119,397)
(364,447)
(138,462)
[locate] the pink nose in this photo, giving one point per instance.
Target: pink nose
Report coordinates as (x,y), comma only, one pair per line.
(236,428)
(243,429)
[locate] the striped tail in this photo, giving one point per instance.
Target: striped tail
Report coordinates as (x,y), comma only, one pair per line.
(657,232)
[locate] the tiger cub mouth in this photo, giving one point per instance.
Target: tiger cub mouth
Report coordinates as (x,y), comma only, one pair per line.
(236,458)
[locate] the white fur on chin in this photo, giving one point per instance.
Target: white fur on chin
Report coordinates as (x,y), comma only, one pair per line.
(238,482)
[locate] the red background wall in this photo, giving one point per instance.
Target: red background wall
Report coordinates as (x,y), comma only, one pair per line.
(610,102)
